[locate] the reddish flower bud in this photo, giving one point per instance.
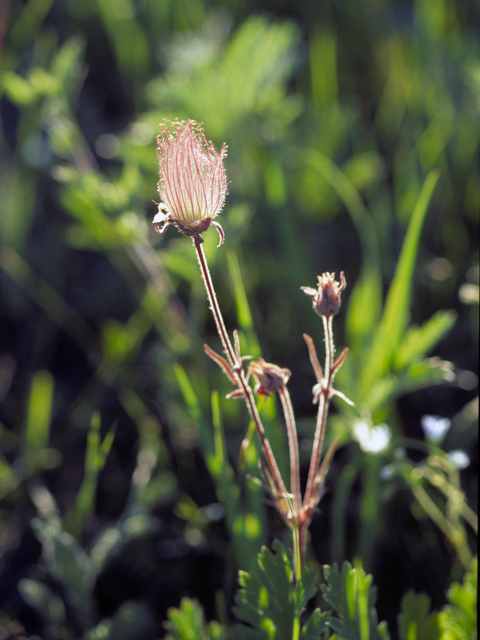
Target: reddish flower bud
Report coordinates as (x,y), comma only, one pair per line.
(269,377)
(326,299)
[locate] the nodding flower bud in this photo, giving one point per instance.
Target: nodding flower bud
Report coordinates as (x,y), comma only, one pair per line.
(269,377)
(193,181)
(326,299)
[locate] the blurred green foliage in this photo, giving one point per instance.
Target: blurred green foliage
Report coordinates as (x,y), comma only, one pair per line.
(353,145)
(188,622)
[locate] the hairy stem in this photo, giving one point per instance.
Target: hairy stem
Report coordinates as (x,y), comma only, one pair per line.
(222,332)
(237,367)
(266,448)
(293,448)
(323,405)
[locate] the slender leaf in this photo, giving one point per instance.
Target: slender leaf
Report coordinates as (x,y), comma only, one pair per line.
(244,314)
(395,315)
(419,340)
(39,416)
(95,458)
(364,308)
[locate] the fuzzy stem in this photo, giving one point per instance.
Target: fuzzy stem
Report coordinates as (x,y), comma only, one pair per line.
(267,450)
(323,404)
(302,540)
(293,448)
(297,548)
(237,367)
(222,332)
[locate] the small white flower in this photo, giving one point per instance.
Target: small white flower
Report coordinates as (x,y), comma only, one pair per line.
(459,459)
(435,428)
(372,439)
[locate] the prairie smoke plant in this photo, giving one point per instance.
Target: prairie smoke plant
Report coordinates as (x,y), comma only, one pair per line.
(193,181)
(193,187)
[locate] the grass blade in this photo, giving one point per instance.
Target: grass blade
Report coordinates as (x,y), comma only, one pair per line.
(395,315)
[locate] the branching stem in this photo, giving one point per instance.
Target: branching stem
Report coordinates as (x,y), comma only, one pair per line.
(237,367)
(297,515)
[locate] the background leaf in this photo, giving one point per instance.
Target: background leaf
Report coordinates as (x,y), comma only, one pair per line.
(350,593)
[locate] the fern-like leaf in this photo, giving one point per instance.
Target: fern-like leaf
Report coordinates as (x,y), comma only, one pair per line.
(188,623)
(271,604)
(352,596)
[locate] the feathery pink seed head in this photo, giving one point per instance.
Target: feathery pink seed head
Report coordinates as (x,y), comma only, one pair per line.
(193,181)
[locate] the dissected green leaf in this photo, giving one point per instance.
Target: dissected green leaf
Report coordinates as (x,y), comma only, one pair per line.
(188,623)
(315,625)
(415,622)
(459,619)
(271,604)
(350,593)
